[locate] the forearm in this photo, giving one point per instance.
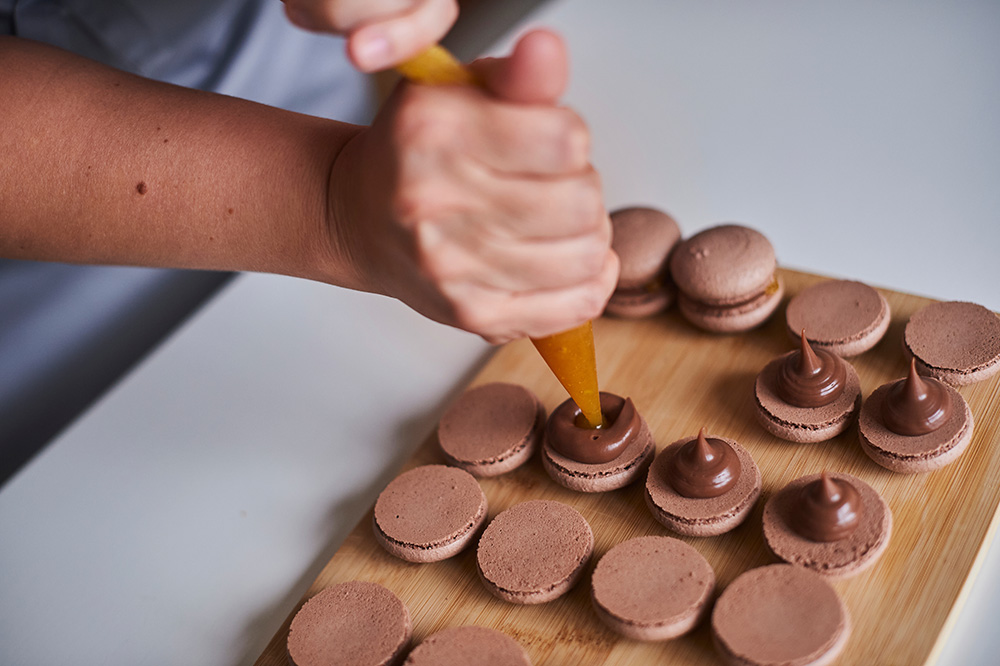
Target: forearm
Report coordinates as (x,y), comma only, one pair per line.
(100,166)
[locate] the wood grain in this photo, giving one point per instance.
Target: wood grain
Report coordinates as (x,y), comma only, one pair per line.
(681,379)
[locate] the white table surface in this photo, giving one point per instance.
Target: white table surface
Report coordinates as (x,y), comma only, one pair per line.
(180,519)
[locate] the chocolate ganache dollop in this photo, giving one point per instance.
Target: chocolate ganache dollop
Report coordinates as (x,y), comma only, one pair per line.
(569,433)
(828,510)
(916,405)
(704,467)
(811,378)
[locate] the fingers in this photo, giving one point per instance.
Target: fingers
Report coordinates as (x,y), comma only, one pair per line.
(380,34)
(500,316)
(536,71)
(508,138)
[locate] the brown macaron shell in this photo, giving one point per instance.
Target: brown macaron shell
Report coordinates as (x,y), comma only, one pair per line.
(357,622)
(463,646)
(429,513)
(780,615)
(836,559)
(804,425)
(643,238)
(724,265)
(702,516)
(534,551)
(652,588)
(954,341)
(914,454)
(492,429)
(601,477)
(842,316)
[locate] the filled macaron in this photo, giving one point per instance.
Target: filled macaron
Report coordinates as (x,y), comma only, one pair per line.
(835,524)
(643,239)
(702,486)
(726,278)
(807,395)
(915,424)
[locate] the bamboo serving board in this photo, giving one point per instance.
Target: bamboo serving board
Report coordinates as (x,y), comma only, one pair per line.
(681,379)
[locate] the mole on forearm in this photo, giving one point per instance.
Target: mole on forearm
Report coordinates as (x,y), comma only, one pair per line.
(141,187)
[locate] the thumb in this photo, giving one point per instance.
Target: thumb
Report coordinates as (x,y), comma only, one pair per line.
(536,71)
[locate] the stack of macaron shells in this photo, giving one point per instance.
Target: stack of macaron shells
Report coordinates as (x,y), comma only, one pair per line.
(834,524)
(356,622)
(726,278)
(492,429)
(652,588)
(807,395)
(845,317)
(643,239)
(594,460)
(534,552)
(429,513)
(779,614)
(702,486)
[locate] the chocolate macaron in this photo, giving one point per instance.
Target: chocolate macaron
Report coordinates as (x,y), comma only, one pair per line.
(780,614)
(834,524)
(351,623)
(492,429)
(643,239)
(534,551)
(702,486)
(807,395)
(956,342)
(595,460)
(652,588)
(726,278)
(429,513)
(915,424)
(462,646)
(842,316)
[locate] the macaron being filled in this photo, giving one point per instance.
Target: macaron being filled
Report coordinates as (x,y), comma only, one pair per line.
(702,486)
(357,622)
(643,239)
(807,395)
(652,588)
(534,551)
(956,342)
(834,524)
(780,614)
(842,316)
(726,278)
(492,429)
(429,513)
(593,460)
(915,424)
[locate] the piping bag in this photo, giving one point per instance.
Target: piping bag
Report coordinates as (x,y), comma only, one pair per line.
(570,354)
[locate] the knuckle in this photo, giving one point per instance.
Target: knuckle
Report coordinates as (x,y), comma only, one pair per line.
(472,317)
(573,140)
(425,122)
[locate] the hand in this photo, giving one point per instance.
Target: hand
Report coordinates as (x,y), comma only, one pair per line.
(380,33)
(479,209)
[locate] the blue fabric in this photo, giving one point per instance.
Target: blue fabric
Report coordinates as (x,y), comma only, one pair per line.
(67,332)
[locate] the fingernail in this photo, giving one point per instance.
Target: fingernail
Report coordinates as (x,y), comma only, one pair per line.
(372,52)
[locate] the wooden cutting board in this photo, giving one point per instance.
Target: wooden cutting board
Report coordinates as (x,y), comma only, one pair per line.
(681,379)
